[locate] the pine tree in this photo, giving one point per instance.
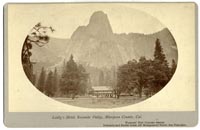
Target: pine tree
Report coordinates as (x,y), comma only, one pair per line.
(158,53)
(49,85)
(173,67)
(38,37)
(55,80)
(41,81)
(70,79)
(84,82)
(162,72)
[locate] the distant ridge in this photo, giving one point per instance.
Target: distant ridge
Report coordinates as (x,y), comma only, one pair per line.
(96,45)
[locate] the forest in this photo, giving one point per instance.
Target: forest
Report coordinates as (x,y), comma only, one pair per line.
(145,76)
(142,77)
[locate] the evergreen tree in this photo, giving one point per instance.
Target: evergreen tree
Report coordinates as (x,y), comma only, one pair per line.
(41,81)
(84,82)
(55,80)
(39,37)
(145,76)
(49,85)
(161,69)
(173,67)
(70,79)
(158,53)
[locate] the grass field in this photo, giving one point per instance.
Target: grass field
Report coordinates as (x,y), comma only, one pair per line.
(90,102)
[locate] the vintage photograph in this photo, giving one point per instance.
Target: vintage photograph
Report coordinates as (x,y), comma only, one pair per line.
(100,65)
(97,66)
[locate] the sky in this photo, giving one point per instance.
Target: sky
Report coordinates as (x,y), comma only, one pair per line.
(66,18)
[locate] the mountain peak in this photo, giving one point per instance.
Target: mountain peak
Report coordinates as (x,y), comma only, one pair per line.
(99,27)
(98,14)
(99,18)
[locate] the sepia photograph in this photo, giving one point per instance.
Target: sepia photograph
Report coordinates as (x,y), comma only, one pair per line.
(97,67)
(100,65)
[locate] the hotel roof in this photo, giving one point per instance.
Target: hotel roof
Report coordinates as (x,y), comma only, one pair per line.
(102,88)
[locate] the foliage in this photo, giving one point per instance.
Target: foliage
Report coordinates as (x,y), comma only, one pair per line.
(84,83)
(162,70)
(73,80)
(145,76)
(55,80)
(173,67)
(49,85)
(38,36)
(41,81)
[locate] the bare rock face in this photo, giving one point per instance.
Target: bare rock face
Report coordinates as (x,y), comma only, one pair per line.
(96,45)
(98,28)
(99,25)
